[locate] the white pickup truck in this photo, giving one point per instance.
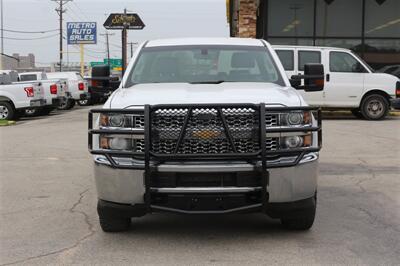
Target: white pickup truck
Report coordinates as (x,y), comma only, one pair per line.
(57,93)
(76,85)
(207,126)
(349,82)
(15,98)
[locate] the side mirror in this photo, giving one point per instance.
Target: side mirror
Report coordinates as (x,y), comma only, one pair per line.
(314,78)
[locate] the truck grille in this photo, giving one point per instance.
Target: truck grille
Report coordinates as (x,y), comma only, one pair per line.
(205,131)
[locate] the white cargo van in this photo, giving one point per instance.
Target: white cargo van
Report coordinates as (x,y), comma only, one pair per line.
(349,82)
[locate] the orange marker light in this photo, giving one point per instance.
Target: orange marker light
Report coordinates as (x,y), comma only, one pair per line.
(307,140)
(104,143)
(103,120)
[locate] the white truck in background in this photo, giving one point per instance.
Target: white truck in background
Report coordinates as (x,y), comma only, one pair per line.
(76,85)
(57,93)
(16,97)
(349,82)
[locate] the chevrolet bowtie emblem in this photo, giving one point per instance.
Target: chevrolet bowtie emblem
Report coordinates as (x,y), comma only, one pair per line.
(206,134)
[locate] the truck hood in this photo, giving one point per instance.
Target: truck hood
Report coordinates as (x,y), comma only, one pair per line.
(227,92)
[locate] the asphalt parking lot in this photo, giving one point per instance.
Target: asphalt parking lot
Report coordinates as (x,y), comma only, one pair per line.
(48,206)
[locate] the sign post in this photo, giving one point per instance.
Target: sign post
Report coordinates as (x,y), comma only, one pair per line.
(125,21)
(81,33)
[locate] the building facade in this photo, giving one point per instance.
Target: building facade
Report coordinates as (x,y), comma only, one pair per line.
(17,61)
(371,28)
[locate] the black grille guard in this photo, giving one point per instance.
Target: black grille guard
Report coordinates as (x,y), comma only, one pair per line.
(152,160)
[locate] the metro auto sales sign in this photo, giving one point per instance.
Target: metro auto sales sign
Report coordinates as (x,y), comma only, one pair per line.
(82,32)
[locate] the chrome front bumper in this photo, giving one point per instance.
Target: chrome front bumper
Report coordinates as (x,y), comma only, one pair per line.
(286,184)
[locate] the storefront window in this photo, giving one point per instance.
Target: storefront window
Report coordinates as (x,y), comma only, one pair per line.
(379,53)
(382,18)
(290,18)
(339,18)
(290,41)
(352,44)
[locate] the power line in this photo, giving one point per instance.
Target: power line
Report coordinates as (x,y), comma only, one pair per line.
(80,10)
(21,31)
(30,39)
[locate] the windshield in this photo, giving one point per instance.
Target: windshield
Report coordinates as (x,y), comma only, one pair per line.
(28,77)
(365,63)
(204,64)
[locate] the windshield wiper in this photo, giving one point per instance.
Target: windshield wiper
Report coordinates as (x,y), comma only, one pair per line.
(208,82)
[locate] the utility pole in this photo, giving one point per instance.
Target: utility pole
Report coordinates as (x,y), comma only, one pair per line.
(60,10)
(108,44)
(132,43)
(124,39)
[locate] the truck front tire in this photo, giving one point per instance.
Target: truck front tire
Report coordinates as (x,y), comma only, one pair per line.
(114,224)
(303,220)
(374,107)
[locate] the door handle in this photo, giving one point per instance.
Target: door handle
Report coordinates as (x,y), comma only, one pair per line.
(328,77)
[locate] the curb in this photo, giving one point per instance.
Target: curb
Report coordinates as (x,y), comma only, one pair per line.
(4,123)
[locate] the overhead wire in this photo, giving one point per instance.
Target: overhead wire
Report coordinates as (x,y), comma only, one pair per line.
(30,32)
(31,39)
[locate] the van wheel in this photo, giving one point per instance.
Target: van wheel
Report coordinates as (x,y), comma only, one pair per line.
(303,221)
(6,111)
(114,224)
(374,107)
(357,113)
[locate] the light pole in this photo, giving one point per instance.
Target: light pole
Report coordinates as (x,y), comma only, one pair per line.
(2,34)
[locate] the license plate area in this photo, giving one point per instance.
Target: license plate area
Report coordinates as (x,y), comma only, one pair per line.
(231,179)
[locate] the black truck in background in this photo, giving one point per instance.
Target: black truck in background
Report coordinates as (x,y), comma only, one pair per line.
(102,84)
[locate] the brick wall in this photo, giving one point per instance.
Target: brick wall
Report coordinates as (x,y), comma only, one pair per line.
(247,18)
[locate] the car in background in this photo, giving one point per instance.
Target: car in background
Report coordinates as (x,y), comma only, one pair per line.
(76,85)
(16,97)
(391,69)
(349,82)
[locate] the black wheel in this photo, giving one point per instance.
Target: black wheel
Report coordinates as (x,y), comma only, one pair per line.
(31,112)
(114,224)
(71,104)
(302,221)
(357,113)
(7,111)
(374,107)
(63,105)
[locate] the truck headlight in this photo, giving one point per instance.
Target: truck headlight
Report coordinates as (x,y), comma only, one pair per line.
(292,142)
(116,120)
(115,143)
(296,118)
(113,120)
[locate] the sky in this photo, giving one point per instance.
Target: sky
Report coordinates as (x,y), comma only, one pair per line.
(163,19)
